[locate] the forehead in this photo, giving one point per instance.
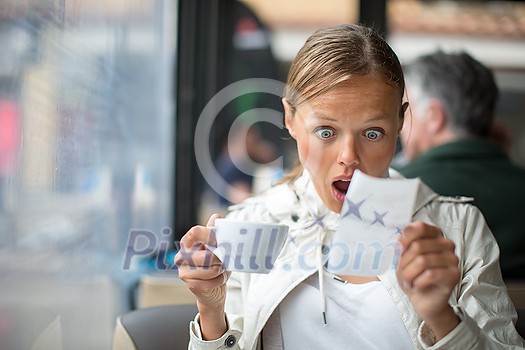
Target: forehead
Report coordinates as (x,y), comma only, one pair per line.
(368,93)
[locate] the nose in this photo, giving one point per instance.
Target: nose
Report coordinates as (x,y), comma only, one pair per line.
(348,155)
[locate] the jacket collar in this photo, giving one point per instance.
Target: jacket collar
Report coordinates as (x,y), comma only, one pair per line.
(311,202)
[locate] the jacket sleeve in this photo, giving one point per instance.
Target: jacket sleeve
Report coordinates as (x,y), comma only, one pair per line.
(483,304)
(229,340)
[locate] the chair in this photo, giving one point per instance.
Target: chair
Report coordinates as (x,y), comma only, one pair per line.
(154,328)
(166,307)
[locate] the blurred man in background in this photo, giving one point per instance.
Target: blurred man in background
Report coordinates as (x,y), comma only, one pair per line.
(448,140)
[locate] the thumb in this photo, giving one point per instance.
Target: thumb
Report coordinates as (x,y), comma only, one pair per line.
(211,220)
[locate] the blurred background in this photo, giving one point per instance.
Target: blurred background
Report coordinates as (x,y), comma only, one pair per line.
(99,101)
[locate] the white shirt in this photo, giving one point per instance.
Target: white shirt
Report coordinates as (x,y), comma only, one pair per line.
(359,316)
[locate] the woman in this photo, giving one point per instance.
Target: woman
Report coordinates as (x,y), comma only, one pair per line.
(344,107)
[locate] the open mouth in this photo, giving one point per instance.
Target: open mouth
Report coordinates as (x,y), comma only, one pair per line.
(342,185)
(339,189)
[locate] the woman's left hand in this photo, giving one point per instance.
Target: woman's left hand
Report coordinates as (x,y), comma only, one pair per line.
(428,272)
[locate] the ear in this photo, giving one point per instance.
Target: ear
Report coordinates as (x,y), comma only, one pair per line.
(436,117)
(402,114)
(289,120)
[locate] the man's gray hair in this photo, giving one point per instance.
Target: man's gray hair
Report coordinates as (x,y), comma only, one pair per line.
(465,87)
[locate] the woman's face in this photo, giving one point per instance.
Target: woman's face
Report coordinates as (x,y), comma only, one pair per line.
(352,126)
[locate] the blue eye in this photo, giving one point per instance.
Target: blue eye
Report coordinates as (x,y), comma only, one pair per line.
(373,134)
(324,133)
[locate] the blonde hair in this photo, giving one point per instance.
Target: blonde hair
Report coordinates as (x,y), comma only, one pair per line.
(334,55)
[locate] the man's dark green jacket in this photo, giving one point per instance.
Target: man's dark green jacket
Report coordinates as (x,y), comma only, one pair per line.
(480,169)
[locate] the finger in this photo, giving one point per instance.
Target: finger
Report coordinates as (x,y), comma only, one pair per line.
(195,257)
(212,240)
(425,246)
(445,277)
(226,275)
(420,264)
(196,236)
(418,230)
(211,220)
(200,273)
(199,287)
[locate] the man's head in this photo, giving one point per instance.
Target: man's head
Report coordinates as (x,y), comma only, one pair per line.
(451,96)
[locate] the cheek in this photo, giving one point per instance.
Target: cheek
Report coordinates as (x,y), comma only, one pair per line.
(311,154)
(376,160)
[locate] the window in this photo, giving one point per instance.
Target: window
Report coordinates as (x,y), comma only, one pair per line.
(87,152)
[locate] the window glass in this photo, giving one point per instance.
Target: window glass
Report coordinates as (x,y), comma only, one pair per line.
(85,158)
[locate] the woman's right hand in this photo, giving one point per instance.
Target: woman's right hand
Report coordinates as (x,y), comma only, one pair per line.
(206,278)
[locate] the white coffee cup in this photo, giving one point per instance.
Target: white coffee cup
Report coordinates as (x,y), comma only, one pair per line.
(248,246)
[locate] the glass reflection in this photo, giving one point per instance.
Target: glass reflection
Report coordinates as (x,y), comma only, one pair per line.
(85,156)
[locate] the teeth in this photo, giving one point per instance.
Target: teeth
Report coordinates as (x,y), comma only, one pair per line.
(345,180)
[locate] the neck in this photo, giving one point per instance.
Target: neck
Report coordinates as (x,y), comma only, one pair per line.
(445,136)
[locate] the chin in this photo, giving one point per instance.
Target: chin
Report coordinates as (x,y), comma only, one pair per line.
(334,206)
(338,209)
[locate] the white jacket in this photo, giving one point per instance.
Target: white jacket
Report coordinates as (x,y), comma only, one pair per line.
(480,300)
